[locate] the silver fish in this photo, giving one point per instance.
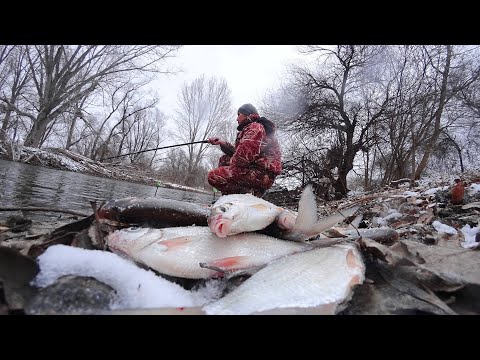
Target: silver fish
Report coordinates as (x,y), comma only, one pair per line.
(237,213)
(178,251)
(316,281)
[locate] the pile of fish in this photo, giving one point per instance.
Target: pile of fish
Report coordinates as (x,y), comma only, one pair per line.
(277,253)
(289,271)
(396,252)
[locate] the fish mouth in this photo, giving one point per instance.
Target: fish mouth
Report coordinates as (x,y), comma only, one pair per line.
(120,252)
(220,226)
(286,220)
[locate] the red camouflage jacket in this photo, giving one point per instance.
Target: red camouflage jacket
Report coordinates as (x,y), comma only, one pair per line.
(256,145)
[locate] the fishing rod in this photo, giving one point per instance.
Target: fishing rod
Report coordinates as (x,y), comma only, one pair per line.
(163,147)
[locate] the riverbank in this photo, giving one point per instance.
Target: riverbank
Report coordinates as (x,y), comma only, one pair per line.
(66,160)
(434,245)
(430,265)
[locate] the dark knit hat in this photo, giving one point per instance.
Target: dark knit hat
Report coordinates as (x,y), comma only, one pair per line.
(247,109)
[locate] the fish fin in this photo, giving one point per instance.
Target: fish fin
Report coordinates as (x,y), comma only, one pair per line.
(307,211)
(175,243)
(307,221)
(302,234)
(326,223)
(228,264)
(327,242)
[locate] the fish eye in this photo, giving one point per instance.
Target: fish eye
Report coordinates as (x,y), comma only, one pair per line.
(227,206)
(134,228)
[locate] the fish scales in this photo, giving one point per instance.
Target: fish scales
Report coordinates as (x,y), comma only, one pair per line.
(237,213)
(319,277)
(178,251)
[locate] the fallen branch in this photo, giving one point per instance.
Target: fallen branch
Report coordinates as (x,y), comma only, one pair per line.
(35,208)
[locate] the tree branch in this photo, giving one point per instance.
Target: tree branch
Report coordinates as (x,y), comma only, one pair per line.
(35,208)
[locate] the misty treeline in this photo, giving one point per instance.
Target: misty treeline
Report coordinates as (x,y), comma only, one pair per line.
(371,115)
(99,101)
(91,99)
(350,115)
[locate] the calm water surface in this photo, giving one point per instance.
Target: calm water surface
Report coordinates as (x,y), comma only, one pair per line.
(30,185)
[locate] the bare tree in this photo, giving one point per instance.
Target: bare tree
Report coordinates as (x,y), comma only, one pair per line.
(204,105)
(470,98)
(174,166)
(340,102)
(383,103)
(442,67)
(449,85)
(63,74)
(5,51)
(144,134)
(403,128)
(15,76)
(124,101)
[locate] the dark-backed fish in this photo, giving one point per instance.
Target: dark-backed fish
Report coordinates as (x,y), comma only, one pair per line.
(154,212)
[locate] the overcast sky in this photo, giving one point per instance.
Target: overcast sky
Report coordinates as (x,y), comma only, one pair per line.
(249,70)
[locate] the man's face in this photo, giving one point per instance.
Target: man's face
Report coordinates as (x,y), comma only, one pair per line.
(241,117)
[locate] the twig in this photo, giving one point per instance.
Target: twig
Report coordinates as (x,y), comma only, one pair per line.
(13,236)
(36,208)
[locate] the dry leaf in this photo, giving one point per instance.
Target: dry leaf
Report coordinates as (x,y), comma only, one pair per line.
(454,264)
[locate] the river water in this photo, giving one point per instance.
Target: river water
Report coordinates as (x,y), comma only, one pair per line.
(30,185)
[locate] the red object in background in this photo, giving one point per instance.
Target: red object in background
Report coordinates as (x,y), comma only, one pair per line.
(458,191)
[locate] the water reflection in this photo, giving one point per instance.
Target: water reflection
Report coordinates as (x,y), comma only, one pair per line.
(29,185)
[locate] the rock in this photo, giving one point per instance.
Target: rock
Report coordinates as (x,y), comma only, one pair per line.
(16,273)
(18,223)
(71,295)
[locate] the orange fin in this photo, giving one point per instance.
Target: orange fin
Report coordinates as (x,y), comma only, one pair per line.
(230,263)
(175,243)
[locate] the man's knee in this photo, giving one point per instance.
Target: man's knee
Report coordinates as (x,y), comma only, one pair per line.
(212,178)
(217,176)
(224,160)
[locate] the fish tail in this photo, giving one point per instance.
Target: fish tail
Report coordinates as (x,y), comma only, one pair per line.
(307,224)
(307,211)
(326,223)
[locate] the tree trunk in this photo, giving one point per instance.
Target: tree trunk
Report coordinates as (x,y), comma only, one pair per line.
(367,170)
(459,151)
(35,135)
(6,121)
(413,159)
(340,184)
(70,133)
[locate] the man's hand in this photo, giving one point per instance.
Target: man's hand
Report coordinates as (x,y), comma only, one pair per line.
(214,141)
